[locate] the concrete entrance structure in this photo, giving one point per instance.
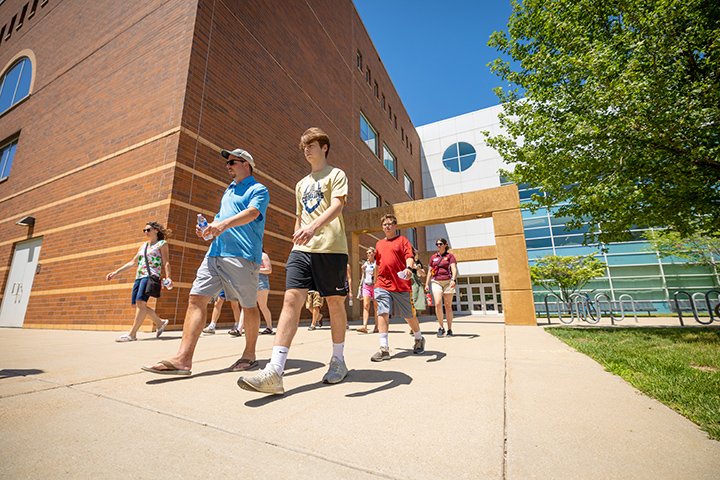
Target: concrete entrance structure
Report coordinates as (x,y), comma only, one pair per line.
(502,204)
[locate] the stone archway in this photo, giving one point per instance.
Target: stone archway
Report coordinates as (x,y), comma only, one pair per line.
(502,204)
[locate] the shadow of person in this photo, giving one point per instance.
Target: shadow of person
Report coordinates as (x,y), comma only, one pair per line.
(463,335)
(292,367)
(385,379)
(19,372)
(406,352)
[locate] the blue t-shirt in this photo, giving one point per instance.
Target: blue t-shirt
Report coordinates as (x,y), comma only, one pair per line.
(245,240)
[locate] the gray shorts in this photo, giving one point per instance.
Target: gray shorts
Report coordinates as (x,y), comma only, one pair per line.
(237,276)
(395,303)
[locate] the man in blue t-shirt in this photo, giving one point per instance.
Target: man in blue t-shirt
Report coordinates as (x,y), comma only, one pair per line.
(232,264)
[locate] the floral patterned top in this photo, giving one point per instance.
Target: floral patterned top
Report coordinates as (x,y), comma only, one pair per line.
(154,259)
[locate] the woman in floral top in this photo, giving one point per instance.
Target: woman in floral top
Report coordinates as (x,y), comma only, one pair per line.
(158,258)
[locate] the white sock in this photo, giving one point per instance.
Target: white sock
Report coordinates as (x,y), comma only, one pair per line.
(278,359)
(418,335)
(212,326)
(338,351)
(384,340)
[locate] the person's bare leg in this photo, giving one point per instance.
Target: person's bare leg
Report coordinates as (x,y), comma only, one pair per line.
(414,323)
(217,310)
(338,318)
(252,325)
(438,299)
(376,315)
(237,315)
(262,296)
(366,310)
(447,300)
(195,317)
(154,317)
(140,312)
(289,316)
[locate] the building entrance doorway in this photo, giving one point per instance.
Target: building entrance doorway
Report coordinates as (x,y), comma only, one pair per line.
(17,290)
(478,295)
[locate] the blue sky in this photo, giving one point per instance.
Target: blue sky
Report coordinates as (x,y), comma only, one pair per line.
(436,52)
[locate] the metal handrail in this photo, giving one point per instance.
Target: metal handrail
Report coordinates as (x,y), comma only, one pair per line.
(632,304)
(692,305)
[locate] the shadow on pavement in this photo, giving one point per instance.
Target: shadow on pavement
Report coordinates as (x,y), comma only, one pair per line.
(292,367)
(19,372)
(406,352)
(386,379)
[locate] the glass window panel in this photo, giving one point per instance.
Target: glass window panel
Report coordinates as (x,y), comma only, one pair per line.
(487,279)
(684,282)
(475,280)
(8,88)
(526,194)
(451,152)
(23,87)
(687,269)
(8,153)
(570,231)
(465,148)
(452,164)
(627,283)
(540,212)
(560,220)
(389,160)
(368,198)
(629,247)
(368,134)
(532,254)
(638,258)
(538,243)
(568,240)
(565,251)
(409,186)
(537,232)
(535,222)
(466,162)
(637,271)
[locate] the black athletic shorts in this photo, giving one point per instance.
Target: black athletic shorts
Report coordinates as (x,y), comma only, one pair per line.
(323,272)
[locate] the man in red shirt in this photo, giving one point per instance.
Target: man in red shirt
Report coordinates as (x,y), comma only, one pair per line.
(394,258)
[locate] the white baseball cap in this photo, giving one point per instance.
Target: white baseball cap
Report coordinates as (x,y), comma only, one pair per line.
(240,153)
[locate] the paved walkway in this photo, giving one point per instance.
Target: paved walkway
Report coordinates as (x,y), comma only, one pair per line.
(493,402)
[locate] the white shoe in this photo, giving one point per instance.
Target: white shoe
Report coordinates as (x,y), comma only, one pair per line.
(265,381)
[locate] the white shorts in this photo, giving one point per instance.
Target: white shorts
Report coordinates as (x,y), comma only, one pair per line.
(237,276)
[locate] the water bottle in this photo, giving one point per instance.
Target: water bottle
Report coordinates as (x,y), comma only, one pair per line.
(428,298)
(202,225)
(167,283)
(350,302)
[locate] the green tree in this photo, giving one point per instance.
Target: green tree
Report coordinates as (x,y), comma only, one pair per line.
(614,107)
(564,276)
(700,249)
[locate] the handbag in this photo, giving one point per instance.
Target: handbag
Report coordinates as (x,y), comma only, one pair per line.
(153,286)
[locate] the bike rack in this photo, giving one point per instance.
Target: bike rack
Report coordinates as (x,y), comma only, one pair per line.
(692,305)
(559,308)
(580,303)
(632,304)
(598,307)
(709,306)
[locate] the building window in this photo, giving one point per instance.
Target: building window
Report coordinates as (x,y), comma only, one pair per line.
(409,186)
(402,134)
(6,158)
(368,75)
(389,160)
(395,120)
(410,148)
(458,157)
(390,112)
(359,61)
(15,84)
(411,234)
(368,198)
(368,134)
(376,89)
(382,101)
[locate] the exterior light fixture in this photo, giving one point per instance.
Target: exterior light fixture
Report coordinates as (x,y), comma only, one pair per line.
(26,221)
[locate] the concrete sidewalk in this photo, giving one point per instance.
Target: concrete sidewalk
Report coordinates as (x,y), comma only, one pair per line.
(493,402)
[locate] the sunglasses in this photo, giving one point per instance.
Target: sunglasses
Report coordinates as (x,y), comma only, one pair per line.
(388,224)
(146,230)
(232,161)
(439,244)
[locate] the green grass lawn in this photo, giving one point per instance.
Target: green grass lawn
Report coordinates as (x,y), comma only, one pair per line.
(678,366)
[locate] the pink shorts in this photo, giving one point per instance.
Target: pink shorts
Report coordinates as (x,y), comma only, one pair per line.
(368,291)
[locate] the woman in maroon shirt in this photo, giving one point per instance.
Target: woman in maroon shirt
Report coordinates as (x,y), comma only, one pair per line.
(441,280)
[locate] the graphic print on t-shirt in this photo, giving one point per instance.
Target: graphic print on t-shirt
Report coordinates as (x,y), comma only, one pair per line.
(312,197)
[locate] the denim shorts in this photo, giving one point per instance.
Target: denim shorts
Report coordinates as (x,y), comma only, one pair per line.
(263,282)
(138,290)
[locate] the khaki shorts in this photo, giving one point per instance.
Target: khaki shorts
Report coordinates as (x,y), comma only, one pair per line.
(237,276)
(441,286)
(313,300)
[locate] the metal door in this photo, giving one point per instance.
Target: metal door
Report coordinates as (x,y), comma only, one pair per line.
(19,283)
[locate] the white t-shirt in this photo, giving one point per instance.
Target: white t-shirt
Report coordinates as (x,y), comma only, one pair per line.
(369,270)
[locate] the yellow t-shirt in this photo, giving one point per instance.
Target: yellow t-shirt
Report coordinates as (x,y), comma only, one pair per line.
(313,195)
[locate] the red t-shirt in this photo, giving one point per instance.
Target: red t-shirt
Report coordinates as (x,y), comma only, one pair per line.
(390,258)
(440,266)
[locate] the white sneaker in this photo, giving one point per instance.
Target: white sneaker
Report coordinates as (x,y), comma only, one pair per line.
(161,328)
(265,381)
(210,330)
(336,372)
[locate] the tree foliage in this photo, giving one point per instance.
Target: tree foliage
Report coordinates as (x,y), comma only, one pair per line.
(564,276)
(701,249)
(621,110)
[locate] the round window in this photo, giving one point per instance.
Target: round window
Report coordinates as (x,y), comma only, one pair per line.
(458,157)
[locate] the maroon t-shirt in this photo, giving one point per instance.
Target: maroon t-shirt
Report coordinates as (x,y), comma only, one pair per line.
(440,266)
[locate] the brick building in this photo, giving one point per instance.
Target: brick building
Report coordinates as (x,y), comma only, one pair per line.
(127,107)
